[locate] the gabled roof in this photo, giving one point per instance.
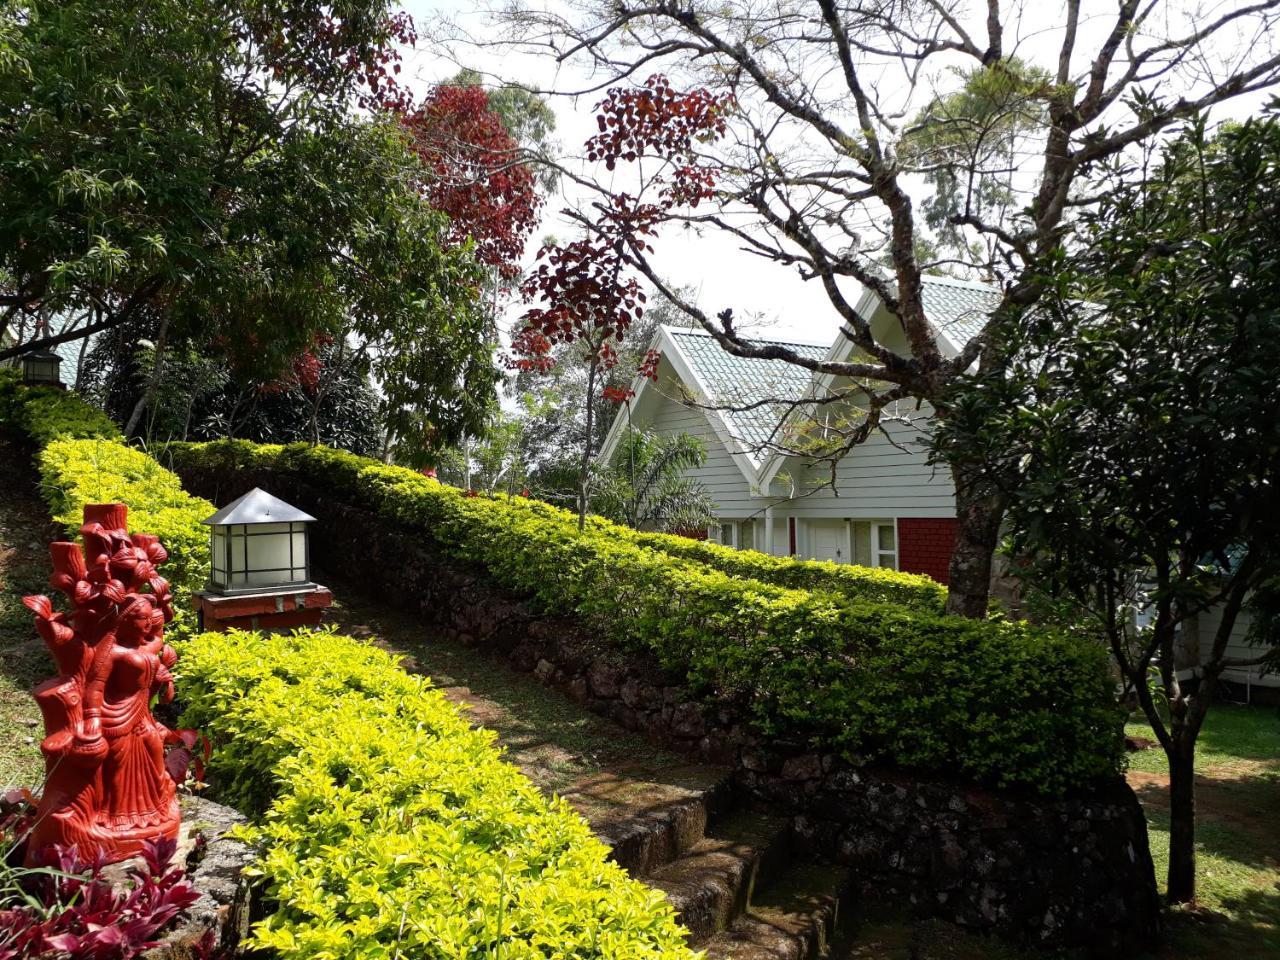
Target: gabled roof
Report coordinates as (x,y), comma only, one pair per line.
(730,381)
(258,506)
(957,310)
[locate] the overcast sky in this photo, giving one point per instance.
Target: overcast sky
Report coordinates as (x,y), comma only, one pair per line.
(711,263)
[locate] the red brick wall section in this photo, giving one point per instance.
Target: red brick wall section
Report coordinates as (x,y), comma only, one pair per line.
(925,545)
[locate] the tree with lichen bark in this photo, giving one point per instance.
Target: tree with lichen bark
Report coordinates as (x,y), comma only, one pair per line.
(802,133)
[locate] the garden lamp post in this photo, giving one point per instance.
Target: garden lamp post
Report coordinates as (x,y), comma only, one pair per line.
(260,567)
(40,369)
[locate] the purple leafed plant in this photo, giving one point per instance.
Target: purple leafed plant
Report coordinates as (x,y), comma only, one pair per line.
(67,909)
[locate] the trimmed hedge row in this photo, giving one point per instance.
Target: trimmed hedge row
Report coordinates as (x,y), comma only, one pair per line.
(394,828)
(865,583)
(849,581)
(1000,703)
(82,459)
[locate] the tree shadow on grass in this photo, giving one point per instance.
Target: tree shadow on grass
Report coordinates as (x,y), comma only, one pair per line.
(1244,732)
(1251,931)
(1235,818)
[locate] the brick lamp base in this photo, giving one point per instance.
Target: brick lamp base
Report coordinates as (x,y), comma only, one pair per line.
(262,611)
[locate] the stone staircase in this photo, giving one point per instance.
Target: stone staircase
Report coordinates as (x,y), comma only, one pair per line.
(729,870)
(732,871)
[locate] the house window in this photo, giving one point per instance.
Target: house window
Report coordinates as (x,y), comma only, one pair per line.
(886,545)
(875,543)
(739,534)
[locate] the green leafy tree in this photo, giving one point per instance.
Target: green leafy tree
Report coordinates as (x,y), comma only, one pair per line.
(647,486)
(555,404)
(1138,429)
(493,461)
(237,170)
(325,397)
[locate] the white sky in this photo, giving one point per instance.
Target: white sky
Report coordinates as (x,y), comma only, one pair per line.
(712,263)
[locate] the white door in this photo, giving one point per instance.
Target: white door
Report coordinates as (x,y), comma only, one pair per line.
(827,540)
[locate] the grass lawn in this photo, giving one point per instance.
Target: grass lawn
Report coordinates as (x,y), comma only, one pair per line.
(24,569)
(1237,830)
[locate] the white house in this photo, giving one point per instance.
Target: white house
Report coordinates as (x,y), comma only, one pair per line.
(888,506)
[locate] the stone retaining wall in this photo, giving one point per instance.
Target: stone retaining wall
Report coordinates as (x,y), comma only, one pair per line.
(1075,872)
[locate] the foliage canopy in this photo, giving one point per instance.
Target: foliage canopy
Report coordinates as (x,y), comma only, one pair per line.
(233,168)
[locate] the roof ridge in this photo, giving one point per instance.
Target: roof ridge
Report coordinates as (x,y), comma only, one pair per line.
(946,281)
(699,332)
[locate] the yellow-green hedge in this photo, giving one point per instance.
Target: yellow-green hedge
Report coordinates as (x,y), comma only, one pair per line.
(391,827)
(82,459)
(859,583)
(1000,703)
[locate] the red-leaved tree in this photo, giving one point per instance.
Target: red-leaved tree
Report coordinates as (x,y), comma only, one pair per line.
(477,173)
(585,294)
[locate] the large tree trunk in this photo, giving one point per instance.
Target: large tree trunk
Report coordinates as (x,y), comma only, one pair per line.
(979,513)
(1182,816)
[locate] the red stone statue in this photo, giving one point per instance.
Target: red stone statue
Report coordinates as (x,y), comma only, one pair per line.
(107,789)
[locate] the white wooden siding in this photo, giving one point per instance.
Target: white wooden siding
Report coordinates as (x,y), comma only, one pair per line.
(719,474)
(1206,627)
(876,479)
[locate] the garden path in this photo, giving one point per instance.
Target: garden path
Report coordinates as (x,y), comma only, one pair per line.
(25,532)
(727,868)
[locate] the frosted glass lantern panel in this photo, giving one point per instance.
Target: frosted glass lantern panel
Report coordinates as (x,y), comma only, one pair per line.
(267,554)
(218,556)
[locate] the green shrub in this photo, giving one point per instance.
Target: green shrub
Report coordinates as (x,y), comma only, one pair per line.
(82,459)
(850,580)
(1000,703)
(10,385)
(76,472)
(394,828)
(49,414)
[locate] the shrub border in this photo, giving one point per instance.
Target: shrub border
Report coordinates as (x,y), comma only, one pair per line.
(1006,705)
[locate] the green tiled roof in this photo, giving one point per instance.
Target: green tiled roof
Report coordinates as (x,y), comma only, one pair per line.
(740,381)
(957,308)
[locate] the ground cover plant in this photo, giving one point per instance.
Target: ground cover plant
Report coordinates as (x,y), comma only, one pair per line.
(392,827)
(999,703)
(68,908)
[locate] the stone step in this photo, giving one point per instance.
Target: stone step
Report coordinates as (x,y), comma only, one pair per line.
(648,813)
(795,916)
(712,884)
(650,817)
